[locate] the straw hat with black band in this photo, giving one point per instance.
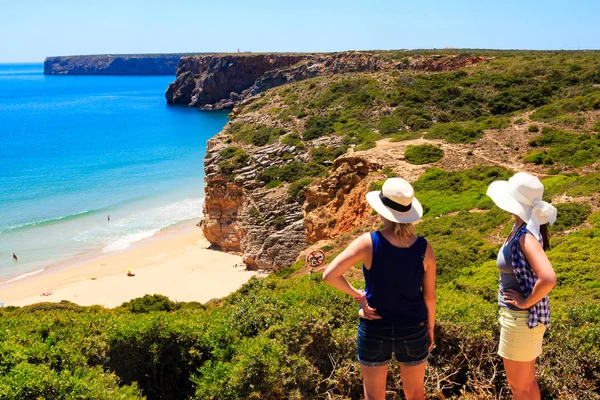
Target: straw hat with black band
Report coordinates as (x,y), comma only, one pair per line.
(396,201)
(522,195)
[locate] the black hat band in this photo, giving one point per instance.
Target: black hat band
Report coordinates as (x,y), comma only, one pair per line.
(393,205)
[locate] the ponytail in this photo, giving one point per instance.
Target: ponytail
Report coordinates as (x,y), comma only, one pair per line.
(403,231)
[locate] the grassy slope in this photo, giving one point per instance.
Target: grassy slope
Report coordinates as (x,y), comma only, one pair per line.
(292,337)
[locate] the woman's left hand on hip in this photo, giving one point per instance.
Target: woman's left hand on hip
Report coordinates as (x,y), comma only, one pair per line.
(515,298)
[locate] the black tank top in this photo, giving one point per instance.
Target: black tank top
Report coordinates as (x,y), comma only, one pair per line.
(394,282)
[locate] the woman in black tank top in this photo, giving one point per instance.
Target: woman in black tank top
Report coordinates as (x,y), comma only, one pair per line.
(397,314)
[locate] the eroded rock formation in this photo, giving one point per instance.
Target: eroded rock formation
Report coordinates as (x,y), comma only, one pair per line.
(336,204)
(241,215)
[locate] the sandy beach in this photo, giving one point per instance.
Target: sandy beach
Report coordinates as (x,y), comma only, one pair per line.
(177,264)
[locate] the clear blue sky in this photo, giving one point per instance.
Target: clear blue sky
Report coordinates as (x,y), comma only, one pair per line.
(31,30)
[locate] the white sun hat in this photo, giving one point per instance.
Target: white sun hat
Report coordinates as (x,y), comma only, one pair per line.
(396,201)
(522,195)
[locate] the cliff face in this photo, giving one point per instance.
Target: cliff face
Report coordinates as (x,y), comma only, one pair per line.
(336,204)
(217,81)
(264,222)
(243,216)
(112,65)
(220,82)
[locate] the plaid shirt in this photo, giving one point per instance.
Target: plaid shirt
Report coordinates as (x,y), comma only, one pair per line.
(539,312)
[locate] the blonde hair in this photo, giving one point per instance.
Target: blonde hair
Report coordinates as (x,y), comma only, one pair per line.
(403,231)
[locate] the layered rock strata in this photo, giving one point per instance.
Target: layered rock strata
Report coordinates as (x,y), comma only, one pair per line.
(241,215)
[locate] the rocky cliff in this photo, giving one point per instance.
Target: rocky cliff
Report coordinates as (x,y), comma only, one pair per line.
(271,189)
(217,81)
(159,64)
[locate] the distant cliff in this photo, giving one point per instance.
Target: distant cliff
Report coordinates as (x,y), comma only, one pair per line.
(221,81)
(159,64)
(217,81)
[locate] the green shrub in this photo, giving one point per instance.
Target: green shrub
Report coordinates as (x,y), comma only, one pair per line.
(454,133)
(573,185)
(48,307)
(596,127)
(390,125)
(570,215)
(533,128)
(296,189)
(235,158)
(317,126)
(256,134)
(293,139)
(148,303)
(416,122)
(483,123)
(286,173)
(324,154)
(423,154)
(553,171)
(273,184)
(376,185)
(536,157)
(565,147)
(442,192)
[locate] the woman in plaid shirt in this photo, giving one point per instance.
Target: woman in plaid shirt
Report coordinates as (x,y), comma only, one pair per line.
(526,279)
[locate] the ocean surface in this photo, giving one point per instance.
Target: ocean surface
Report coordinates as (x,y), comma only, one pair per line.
(76,149)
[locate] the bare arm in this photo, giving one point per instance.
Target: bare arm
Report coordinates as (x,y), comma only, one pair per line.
(429,289)
(355,252)
(541,267)
(359,250)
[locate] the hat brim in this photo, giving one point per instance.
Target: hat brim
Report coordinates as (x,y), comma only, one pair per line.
(414,214)
(499,192)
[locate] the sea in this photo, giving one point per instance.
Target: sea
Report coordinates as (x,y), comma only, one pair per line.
(76,150)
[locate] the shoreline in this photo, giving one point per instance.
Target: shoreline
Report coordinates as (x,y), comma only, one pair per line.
(89,256)
(175,262)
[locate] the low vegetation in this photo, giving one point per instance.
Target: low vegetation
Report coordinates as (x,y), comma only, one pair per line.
(423,154)
(559,146)
(233,158)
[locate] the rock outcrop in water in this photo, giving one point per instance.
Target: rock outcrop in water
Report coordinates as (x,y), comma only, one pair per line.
(159,64)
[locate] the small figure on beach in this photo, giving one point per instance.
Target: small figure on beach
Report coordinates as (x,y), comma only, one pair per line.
(130,273)
(109,218)
(46,294)
(15,257)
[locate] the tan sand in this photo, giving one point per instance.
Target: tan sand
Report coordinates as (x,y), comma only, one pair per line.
(177,265)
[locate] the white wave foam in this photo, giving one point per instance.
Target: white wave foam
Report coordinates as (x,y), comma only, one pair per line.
(121,233)
(23,276)
(126,241)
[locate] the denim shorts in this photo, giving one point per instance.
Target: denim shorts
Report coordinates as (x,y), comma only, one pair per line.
(379,339)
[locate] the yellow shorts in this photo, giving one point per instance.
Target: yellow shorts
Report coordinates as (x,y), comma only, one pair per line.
(517,341)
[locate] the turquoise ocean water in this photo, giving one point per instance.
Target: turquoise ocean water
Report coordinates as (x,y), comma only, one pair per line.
(75,149)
